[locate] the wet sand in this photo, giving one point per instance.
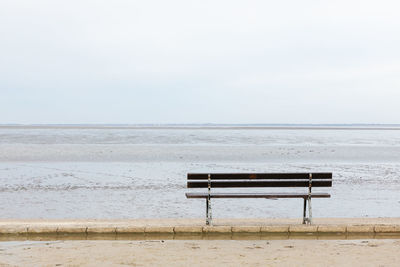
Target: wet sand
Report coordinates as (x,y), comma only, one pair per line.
(202,253)
(107,190)
(106,173)
(187,153)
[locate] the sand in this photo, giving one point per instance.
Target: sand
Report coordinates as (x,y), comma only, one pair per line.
(202,253)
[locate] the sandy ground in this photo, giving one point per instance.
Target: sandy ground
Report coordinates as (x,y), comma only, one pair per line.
(202,253)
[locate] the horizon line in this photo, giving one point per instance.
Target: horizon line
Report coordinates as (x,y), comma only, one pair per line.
(255,126)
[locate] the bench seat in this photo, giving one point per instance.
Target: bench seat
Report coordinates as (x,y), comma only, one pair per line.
(257,195)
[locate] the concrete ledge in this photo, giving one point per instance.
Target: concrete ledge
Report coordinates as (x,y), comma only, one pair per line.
(195,228)
(217,229)
(302,229)
(275,229)
(159,230)
(393,229)
(101,230)
(42,229)
(18,229)
(72,230)
(188,229)
(332,229)
(130,230)
(246,229)
(360,229)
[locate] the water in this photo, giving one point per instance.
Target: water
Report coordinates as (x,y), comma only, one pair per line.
(140,172)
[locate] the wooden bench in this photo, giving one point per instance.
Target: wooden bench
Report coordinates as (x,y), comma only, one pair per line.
(233,180)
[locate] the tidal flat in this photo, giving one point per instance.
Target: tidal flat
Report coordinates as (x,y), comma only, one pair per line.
(102,172)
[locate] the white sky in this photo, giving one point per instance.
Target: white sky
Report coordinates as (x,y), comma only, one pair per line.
(199,61)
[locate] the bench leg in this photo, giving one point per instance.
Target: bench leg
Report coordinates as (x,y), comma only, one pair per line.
(304,211)
(208,211)
(307,220)
(309,211)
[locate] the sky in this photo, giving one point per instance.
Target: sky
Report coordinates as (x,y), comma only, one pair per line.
(127,61)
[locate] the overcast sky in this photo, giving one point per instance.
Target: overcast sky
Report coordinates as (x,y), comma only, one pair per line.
(199,61)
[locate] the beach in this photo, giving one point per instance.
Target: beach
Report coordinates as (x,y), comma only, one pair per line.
(202,253)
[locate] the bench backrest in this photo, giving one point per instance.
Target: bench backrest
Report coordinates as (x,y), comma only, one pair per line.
(201,180)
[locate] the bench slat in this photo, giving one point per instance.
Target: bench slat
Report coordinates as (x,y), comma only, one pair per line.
(257,195)
(258,183)
(241,176)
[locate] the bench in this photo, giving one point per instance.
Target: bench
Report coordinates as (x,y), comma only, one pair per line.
(236,180)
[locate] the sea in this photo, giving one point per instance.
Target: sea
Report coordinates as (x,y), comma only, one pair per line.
(140,171)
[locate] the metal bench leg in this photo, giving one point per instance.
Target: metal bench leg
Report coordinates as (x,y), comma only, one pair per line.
(307,220)
(208,204)
(208,211)
(309,211)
